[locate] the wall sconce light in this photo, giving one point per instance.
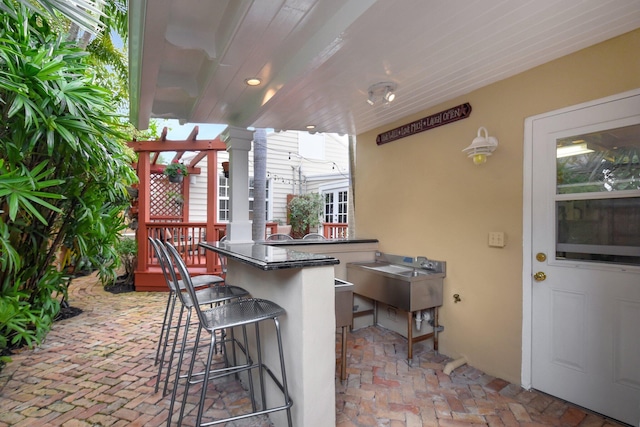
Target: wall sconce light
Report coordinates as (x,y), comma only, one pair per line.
(481,146)
(193,180)
(225,169)
(383,91)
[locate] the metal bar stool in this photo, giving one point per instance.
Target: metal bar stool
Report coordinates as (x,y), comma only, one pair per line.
(212,295)
(241,313)
(198,281)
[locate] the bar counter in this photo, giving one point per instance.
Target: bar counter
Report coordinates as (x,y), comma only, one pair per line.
(293,275)
(268,257)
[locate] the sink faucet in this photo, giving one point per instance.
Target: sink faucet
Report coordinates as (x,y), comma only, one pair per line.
(425,263)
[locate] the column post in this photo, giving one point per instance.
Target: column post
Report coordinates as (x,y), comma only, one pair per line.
(238,142)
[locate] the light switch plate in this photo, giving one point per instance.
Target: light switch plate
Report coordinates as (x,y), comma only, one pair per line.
(496,239)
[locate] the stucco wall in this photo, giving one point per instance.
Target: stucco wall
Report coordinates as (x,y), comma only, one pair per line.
(422,196)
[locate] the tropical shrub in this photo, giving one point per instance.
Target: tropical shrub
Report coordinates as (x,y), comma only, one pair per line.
(64,173)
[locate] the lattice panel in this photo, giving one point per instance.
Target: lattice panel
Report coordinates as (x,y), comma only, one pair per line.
(165,198)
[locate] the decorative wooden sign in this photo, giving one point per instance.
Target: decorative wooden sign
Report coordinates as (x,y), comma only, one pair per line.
(433,121)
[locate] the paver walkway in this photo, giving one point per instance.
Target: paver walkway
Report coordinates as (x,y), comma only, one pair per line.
(96,369)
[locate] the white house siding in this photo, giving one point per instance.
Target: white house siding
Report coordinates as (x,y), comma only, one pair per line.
(198,195)
(288,171)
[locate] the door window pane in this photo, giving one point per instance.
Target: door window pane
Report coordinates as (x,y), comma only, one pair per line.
(600,161)
(595,226)
(342,207)
(604,230)
(328,207)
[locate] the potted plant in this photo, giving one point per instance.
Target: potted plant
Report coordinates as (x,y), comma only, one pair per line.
(127,249)
(176,171)
(305,212)
(175,197)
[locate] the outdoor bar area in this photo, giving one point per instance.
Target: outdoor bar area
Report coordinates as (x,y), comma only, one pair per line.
(318,213)
(303,284)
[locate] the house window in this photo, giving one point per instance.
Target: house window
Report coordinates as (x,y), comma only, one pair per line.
(223,198)
(335,206)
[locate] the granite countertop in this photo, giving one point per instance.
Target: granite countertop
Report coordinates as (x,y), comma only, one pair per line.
(266,257)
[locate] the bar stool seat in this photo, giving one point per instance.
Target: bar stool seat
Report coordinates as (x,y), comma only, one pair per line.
(203,280)
(238,313)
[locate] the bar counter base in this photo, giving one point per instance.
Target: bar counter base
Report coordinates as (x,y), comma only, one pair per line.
(308,335)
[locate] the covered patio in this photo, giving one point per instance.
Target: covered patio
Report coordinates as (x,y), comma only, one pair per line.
(392,75)
(97,369)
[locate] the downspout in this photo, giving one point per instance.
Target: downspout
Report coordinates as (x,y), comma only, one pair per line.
(351,195)
(259,184)
(293,180)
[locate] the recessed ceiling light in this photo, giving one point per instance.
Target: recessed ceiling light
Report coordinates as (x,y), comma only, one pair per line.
(311,127)
(253,81)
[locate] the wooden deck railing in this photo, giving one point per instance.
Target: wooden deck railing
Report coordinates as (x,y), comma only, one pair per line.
(185,237)
(334,230)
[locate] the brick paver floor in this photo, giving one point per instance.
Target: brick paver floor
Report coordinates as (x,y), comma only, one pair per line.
(97,369)
(383,390)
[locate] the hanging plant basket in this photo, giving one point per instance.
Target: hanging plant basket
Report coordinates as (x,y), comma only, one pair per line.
(175,171)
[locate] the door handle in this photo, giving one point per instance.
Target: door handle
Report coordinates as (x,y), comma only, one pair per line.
(539,276)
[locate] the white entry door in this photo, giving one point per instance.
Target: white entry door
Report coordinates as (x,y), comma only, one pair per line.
(585,249)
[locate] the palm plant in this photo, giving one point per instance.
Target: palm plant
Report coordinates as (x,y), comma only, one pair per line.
(63,175)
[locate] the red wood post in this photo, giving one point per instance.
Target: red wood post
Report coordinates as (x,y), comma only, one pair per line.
(144,175)
(212,198)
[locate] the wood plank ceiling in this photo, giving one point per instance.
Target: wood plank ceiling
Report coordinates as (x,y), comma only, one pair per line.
(317,58)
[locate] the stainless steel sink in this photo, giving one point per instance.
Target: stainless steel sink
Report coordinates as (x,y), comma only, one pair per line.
(390,268)
(410,284)
(400,270)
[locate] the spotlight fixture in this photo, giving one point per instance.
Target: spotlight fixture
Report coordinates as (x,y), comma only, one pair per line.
(481,146)
(383,91)
(389,95)
(253,81)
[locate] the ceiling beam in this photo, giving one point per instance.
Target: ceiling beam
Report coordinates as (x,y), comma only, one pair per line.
(160,146)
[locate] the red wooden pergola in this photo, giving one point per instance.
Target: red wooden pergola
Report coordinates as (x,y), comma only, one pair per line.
(163,207)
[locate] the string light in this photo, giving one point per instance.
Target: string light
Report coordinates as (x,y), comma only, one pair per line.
(334,165)
(285,180)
